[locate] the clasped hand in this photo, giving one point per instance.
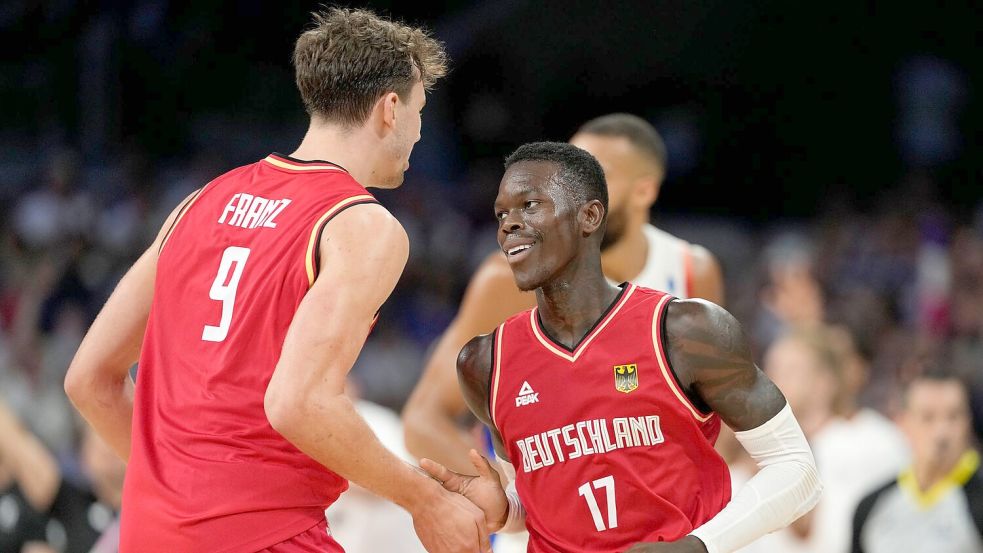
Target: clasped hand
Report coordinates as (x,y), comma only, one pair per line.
(486,492)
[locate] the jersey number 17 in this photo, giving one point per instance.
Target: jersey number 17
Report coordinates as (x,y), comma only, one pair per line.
(595,512)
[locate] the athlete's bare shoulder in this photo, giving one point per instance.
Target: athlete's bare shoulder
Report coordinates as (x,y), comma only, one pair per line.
(474,366)
(357,222)
(710,355)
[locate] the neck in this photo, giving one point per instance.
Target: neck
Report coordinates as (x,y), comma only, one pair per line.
(625,259)
(931,471)
(569,307)
(341,145)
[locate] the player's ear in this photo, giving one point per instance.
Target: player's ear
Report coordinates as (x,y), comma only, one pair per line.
(387,105)
(591,217)
(646,189)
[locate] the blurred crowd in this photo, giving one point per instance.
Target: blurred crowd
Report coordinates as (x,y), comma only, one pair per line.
(841,310)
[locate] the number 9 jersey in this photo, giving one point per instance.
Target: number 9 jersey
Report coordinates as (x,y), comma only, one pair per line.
(608,451)
(207,472)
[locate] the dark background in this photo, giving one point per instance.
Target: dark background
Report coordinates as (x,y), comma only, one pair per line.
(828,154)
(770,109)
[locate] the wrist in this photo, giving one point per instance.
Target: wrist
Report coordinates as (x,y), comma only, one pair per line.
(419,494)
(497,525)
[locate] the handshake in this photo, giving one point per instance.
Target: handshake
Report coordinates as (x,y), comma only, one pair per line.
(460,517)
(460,514)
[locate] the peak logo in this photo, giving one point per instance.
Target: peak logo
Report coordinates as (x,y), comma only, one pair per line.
(526,395)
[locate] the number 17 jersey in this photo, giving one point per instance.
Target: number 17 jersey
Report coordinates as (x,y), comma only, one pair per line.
(608,450)
(207,472)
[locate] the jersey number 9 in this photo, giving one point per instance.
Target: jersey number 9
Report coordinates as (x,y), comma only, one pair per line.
(224,290)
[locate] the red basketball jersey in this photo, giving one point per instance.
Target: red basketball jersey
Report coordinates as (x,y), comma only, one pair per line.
(608,451)
(207,472)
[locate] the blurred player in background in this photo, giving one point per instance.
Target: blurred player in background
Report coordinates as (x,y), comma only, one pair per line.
(607,399)
(248,311)
(633,157)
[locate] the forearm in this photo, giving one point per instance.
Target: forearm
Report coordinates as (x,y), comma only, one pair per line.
(436,436)
(327,428)
(33,467)
(786,487)
(107,405)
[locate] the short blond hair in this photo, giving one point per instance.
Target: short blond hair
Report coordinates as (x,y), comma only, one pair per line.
(349,58)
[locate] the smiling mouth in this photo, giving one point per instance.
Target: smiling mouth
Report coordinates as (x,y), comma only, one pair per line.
(518,252)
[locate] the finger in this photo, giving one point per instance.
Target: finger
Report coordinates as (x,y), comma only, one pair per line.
(482,465)
(436,471)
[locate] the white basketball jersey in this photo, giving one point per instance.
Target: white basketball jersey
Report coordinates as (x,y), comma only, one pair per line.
(667,267)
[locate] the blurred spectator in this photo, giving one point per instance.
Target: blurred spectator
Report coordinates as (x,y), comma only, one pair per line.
(56,210)
(40,508)
(936,505)
(820,374)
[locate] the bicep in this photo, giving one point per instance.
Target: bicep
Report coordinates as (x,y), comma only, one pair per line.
(474,366)
(745,399)
(363,251)
(710,352)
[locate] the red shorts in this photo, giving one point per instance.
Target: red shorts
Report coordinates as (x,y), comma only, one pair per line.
(316,539)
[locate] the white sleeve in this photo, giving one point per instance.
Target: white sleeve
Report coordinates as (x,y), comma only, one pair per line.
(786,487)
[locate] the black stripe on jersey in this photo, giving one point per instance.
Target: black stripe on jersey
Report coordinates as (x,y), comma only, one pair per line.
(695,399)
(491,376)
(309,161)
(180,213)
(604,315)
(320,231)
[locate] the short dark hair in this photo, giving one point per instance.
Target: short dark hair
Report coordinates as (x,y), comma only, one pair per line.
(577,170)
(349,58)
(933,371)
(639,132)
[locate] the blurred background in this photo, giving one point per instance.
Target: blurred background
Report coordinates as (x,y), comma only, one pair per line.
(829,154)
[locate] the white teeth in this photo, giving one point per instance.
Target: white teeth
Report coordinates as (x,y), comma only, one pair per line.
(517,249)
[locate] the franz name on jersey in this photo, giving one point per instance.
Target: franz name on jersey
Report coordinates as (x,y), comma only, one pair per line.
(248,211)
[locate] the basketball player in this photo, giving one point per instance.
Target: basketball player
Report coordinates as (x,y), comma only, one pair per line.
(249,309)
(633,157)
(607,399)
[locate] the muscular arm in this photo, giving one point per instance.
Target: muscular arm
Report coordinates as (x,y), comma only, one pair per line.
(711,358)
(98,380)
(474,366)
(708,279)
(305,400)
(431,415)
(710,355)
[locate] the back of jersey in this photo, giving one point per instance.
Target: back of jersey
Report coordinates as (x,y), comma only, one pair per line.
(207,471)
